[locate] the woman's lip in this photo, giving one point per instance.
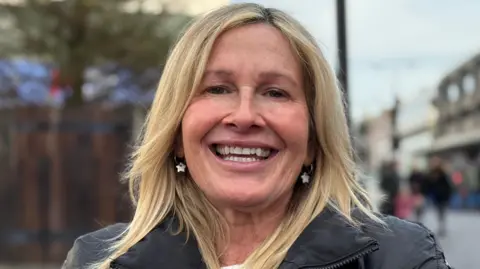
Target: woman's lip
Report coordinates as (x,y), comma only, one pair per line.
(244,144)
(243,166)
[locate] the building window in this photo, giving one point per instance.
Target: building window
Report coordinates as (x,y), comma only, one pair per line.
(453,93)
(469,84)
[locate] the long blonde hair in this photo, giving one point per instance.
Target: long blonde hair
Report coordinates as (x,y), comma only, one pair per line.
(157,191)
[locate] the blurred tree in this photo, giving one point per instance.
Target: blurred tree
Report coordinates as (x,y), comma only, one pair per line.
(77,34)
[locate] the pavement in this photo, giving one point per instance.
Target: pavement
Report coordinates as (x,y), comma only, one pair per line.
(462,242)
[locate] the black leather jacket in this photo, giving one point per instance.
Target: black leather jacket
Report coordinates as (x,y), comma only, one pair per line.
(327,243)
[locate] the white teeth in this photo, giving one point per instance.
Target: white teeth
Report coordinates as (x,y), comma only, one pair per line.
(226,150)
(241,159)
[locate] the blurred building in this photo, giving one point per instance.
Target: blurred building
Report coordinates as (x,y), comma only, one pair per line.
(360,145)
(375,143)
(402,133)
(415,122)
(457,133)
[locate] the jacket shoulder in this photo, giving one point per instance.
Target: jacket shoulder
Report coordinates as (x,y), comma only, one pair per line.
(406,244)
(93,247)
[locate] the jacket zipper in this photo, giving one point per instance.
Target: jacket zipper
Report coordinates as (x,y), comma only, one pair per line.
(369,249)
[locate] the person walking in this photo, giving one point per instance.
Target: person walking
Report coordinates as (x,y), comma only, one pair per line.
(389,184)
(440,189)
(417,182)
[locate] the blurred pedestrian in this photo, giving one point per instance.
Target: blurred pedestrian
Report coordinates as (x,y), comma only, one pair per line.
(389,184)
(404,203)
(418,181)
(440,188)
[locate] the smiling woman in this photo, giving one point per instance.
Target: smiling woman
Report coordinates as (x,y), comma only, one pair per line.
(245,162)
(250,100)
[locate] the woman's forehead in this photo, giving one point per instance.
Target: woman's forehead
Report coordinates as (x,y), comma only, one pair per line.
(253,36)
(258,47)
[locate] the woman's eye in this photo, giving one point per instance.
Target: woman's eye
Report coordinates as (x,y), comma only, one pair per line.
(275,93)
(217,90)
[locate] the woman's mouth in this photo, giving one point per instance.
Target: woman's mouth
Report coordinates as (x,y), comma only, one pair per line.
(242,154)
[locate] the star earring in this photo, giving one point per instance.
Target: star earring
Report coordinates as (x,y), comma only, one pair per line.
(180,165)
(307,174)
(305,178)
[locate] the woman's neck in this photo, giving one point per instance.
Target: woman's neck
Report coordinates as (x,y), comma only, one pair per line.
(248,230)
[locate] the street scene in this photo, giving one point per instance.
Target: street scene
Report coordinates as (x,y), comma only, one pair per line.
(461,239)
(78,79)
(462,231)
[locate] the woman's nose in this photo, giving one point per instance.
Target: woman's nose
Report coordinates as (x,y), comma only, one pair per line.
(245,113)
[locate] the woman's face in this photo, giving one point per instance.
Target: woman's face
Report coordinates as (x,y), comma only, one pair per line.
(245,134)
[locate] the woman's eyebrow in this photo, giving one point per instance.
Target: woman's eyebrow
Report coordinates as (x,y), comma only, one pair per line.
(271,75)
(266,75)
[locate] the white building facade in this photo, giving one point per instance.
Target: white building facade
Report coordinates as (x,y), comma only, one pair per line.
(416,119)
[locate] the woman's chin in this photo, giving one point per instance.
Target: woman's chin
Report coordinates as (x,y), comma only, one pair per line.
(238,198)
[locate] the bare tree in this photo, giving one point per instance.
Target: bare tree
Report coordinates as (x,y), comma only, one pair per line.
(74,35)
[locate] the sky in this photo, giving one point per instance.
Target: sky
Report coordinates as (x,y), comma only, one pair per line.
(399,47)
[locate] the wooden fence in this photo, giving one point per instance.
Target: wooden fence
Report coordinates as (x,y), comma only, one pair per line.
(59,178)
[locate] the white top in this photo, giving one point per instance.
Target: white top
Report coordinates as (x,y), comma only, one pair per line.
(238,266)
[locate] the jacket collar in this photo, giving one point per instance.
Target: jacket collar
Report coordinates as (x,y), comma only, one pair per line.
(162,249)
(327,240)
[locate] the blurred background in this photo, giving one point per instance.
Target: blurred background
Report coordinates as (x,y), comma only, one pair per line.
(77,78)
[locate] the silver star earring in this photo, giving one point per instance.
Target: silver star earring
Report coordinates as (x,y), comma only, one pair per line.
(307,174)
(180,166)
(305,178)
